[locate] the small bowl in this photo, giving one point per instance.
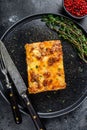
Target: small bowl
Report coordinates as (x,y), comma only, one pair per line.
(71,15)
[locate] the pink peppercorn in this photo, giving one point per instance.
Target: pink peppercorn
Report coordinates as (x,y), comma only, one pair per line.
(76,7)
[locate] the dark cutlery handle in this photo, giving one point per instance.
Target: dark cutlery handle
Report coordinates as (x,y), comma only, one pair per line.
(33,114)
(14,106)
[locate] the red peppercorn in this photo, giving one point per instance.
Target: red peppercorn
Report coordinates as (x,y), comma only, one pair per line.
(76,7)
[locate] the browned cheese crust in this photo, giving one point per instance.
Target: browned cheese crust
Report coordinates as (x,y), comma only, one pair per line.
(45,66)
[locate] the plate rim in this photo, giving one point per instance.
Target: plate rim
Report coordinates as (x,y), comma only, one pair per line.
(81,99)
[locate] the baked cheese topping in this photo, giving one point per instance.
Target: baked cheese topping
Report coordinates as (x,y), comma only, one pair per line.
(45,66)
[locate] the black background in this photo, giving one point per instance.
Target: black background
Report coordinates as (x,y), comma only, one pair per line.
(11,12)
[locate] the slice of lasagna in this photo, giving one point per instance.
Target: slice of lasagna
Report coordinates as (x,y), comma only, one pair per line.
(45,66)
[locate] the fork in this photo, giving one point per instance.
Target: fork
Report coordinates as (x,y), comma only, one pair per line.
(13,102)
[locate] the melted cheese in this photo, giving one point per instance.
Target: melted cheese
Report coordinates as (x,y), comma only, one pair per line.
(45,66)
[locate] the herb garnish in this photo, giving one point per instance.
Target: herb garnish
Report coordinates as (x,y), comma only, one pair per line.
(37,66)
(69,31)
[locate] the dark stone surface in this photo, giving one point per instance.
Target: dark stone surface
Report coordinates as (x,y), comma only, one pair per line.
(10,12)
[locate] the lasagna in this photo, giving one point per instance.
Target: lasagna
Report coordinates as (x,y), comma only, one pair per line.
(45,66)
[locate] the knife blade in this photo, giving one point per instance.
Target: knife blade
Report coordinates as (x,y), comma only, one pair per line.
(10,92)
(20,86)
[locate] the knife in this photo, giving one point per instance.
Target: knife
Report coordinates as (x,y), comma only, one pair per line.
(3,93)
(10,92)
(20,86)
